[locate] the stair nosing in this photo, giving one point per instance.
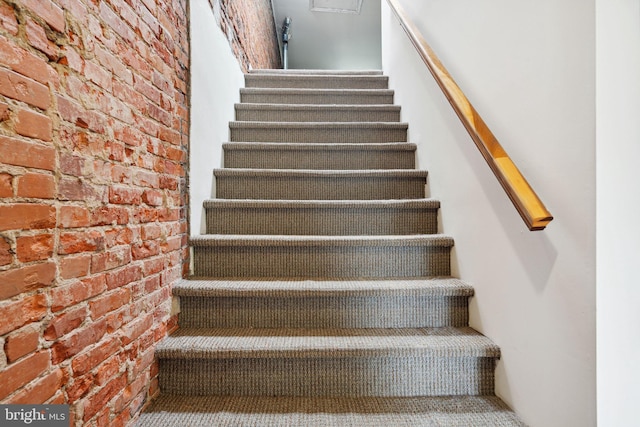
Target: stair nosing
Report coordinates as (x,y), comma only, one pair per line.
(333,173)
(320,146)
(307,107)
(268,240)
(324,204)
(246,124)
(306,72)
(294,91)
(237,343)
(213,287)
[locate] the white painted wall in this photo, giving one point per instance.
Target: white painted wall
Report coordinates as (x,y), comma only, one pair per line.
(216,79)
(529,69)
(618,235)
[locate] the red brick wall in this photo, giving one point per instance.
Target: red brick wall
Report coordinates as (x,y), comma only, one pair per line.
(93,232)
(251,31)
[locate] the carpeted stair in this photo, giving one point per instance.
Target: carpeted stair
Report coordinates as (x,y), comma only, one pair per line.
(321,292)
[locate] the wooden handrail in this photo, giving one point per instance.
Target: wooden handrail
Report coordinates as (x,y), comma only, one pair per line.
(525,200)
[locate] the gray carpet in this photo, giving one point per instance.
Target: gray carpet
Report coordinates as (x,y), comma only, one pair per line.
(321,292)
(469,411)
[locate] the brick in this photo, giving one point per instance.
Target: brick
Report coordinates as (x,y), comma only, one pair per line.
(82,241)
(108,260)
(172,244)
(21,373)
(71,58)
(4,111)
(25,63)
(116,24)
(98,75)
(144,250)
(153,197)
(131,391)
(8,18)
(78,341)
(76,189)
(119,236)
(21,216)
(27,278)
(21,343)
(36,185)
(145,215)
(176,154)
(109,369)
(121,174)
(109,302)
(74,217)
(6,254)
(110,215)
(134,329)
(65,323)
(34,125)
(34,248)
(49,11)
(153,266)
(71,164)
(124,196)
(75,266)
(79,387)
(22,153)
(114,64)
(75,114)
(41,391)
(169,182)
(76,292)
(17,314)
(37,37)
(151,232)
(76,8)
(146,179)
(99,400)
(124,276)
(87,361)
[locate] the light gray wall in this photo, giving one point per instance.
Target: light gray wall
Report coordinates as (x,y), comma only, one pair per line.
(618,236)
(329,41)
(529,69)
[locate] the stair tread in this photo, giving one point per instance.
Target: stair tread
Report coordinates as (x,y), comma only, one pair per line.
(316,125)
(281,71)
(238,145)
(189,343)
(179,411)
(302,80)
(322,173)
(204,240)
(326,204)
(305,91)
(209,287)
(331,107)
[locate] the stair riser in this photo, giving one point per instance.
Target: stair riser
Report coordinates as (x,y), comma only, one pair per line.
(323,312)
(312,98)
(318,134)
(321,261)
(335,222)
(337,377)
(316,115)
(319,188)
(317,82)
(322,160)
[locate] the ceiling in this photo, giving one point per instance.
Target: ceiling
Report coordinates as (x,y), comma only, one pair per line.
(325,40)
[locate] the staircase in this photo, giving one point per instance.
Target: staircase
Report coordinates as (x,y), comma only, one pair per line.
(321,293)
